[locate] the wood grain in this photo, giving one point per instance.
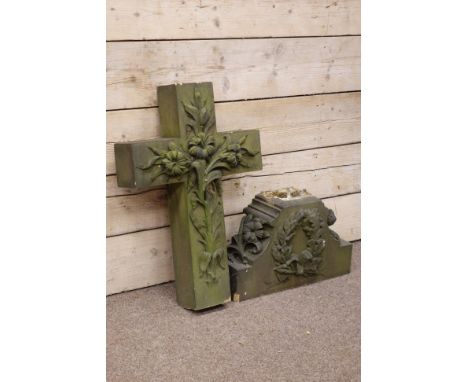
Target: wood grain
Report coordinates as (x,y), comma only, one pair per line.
(318,115)
(239,69)
(277,85)
(148,210)
(141,259)
(285,124)
(277,164)
(192,19)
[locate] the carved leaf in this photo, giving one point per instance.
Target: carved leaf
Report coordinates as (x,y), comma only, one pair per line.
(204,261)
(153,161)
(213,175)
(219,256)
(156,174)
(191,111)
(155,151)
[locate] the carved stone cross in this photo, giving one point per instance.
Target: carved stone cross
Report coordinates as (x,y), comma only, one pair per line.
(191,159)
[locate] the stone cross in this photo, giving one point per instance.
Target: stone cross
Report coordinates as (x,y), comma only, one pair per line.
(190,159)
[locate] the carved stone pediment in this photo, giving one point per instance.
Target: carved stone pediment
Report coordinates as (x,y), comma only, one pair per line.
(284,241)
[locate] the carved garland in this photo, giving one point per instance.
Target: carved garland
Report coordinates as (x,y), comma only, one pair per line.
(202,157)
(307,262)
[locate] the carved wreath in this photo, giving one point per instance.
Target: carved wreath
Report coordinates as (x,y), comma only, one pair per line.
(307,262)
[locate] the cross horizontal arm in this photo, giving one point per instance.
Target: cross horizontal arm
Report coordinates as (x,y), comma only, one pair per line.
(135,165)
(152,163)
(242,151)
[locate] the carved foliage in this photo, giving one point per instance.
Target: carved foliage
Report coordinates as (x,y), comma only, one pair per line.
(252,238)
(201,159)
(331,219)
(173,162)
(307,262)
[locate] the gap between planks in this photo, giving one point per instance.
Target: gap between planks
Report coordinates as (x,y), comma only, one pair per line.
(191,20)
(319,122)
(225,216)
(248,99)
(283,152)
(234,38)
(130,213)
(132,263)
(270,68)
(247,175)
(275,165)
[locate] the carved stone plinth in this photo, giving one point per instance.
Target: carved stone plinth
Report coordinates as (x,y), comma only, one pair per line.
(284,241)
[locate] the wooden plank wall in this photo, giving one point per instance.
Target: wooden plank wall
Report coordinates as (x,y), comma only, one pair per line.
(290,68)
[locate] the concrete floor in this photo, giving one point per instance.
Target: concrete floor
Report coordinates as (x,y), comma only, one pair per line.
(311,333)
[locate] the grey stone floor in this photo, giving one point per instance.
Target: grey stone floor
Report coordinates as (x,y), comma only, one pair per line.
(311,333)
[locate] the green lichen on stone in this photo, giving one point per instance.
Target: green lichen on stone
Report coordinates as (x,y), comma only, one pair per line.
(306,262)
(294,244)
(205,157)
(190,158)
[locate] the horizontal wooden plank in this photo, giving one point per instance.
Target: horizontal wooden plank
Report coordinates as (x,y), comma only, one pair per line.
(277,164)
(192,19)
(239,69)
(285,124)
(283,117)
(148,210)
(141,259)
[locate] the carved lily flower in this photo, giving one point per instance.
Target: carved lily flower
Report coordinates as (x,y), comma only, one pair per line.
(201,146)
(252,233)
(234,147)
(174,163)
(235,152)
(231,158)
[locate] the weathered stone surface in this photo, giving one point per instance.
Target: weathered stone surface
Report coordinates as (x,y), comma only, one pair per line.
(191,158)
(284,241)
